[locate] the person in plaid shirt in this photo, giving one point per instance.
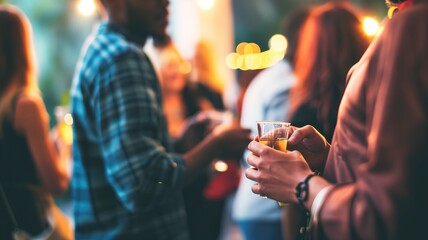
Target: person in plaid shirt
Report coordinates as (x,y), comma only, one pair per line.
(126,182)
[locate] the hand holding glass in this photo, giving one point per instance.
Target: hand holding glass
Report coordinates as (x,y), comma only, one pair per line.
(275,135)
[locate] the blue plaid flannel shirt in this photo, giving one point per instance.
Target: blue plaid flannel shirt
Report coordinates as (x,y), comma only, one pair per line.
(125,185)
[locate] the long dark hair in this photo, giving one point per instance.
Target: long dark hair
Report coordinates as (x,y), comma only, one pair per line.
(291,27)
(331,41)
(17,63)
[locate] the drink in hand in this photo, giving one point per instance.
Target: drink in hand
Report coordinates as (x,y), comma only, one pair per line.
(279,144)
(275,135)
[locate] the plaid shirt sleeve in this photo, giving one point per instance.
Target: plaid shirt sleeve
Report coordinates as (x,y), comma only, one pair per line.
(133,134)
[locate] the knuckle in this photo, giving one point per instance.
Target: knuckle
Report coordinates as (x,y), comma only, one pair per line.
(261,177)
(262,189)
(250,159)
(254,188)
(264,151)
(295,154)
(257,176)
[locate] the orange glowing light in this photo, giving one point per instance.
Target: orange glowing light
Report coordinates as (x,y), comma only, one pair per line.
(240,49)
(251,48)
(370,26)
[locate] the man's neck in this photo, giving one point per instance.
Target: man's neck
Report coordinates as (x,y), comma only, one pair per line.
(127,32)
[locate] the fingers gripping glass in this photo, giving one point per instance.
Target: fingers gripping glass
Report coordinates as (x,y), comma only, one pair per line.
(275,135)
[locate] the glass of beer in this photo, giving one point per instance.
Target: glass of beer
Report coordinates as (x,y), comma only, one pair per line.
(275,135)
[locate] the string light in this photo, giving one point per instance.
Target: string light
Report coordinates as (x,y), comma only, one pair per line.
(278,43)
(249,57)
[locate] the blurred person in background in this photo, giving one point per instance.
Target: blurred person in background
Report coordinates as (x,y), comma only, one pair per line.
(182,98)
(127,183)
(267,98)
(331,42)
(204,69)
(32,166)
(373,174)
(244,80)
(189,104)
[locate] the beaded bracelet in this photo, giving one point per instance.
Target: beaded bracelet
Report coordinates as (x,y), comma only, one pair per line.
(302,188)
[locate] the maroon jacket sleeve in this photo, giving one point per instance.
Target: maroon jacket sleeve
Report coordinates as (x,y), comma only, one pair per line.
(388,198)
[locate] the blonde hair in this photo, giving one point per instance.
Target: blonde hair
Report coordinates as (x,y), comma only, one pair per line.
(17,62)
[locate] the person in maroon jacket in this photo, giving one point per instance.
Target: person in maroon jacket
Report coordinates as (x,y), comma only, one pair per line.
(373,174)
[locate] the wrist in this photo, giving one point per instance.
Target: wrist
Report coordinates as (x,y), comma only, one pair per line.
(302,188)
(316,207)
(315,186)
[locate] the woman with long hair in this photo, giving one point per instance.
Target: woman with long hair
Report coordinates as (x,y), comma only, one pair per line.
(331,41)
(31,168)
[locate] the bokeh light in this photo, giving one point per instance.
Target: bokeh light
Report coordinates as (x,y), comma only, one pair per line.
(232,60)
(206,4)
(240,49)
(68,119)
(253,61)
(220,166)
(86,7)
(248,56)
(278,43)
(370,26)
(65,130)
(240,61)
(251,48)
